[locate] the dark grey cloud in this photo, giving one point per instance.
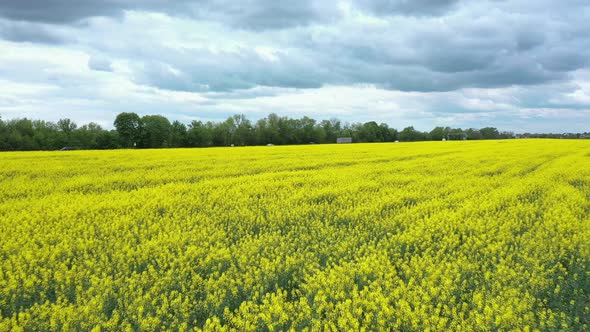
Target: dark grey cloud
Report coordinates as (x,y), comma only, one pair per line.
(202,70)
(263,14)
(249,14)
(528,38)
(59,11)
(448,72)
(406,7)
(99,63)
(422,59)
(420,45)
(29,32)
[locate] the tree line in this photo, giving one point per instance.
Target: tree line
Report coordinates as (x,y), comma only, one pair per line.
(156,131)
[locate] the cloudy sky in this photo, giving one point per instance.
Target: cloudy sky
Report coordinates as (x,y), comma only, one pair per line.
(518,65)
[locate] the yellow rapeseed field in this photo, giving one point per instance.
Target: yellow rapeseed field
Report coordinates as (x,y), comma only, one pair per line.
(460,236)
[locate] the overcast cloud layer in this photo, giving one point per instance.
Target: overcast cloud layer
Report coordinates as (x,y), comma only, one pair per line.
(518,65)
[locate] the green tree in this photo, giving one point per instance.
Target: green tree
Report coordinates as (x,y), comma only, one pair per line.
(438,133)
(86,136)
(66,125)
(268,130)
(108,140)
(3,135)
(306,126)
(510,134)
(199,134)
(48,136)
(347,130)
(473,134)
(387,134)
(456,134)
(128,126)
(66,128)
(21,135)
(242,128)
(155,131)
(331,129)
(370,132)
(178,135)
(409,134)
(489,133)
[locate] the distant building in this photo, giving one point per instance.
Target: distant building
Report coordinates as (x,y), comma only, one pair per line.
(344,140)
